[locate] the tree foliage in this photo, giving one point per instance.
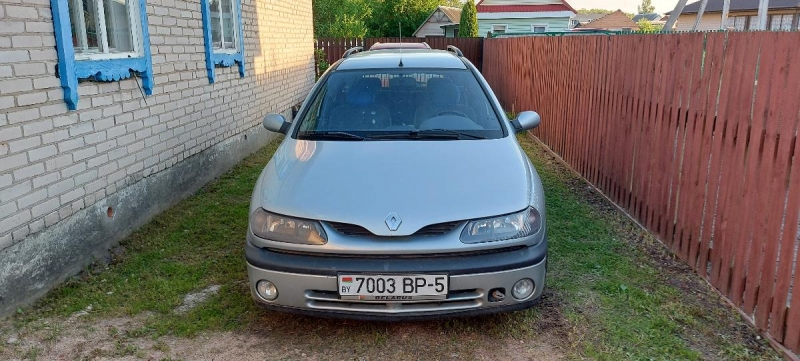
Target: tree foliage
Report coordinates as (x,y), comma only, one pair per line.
(646,7)
(379,18)
(468,25)
(595,11)
(389,15)
(341,18)
(647,26)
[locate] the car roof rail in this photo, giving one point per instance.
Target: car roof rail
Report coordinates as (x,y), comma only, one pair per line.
(455,50)
(351,51)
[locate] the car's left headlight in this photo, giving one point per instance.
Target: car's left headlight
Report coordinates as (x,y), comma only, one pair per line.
(280,228)
(515,225)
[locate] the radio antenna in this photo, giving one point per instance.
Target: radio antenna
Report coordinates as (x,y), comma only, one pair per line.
(400,31)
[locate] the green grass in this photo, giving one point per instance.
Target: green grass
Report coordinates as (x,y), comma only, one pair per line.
(614,290)
(607,297)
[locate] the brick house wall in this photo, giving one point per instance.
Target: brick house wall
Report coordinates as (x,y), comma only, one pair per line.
(72,183)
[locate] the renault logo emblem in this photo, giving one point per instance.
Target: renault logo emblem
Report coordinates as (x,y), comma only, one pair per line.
(393,221)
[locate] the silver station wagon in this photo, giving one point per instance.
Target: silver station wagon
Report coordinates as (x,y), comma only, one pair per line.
(399,191)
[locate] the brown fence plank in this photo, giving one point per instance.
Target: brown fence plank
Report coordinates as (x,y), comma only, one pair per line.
(722,245)
(758,178)
(685,141)
(788,253)
(699,250)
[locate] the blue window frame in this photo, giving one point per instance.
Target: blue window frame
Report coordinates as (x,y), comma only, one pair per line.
(222,32)
(101,40)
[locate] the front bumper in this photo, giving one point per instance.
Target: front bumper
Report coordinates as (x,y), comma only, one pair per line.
(308,283)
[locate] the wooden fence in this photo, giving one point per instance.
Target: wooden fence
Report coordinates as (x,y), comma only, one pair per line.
(695,135)
(335,47)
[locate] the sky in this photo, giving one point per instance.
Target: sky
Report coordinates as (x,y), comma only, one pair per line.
(628,6)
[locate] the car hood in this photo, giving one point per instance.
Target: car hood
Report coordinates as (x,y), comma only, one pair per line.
(423,182)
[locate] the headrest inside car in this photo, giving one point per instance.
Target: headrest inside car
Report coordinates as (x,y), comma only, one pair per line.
(363,91)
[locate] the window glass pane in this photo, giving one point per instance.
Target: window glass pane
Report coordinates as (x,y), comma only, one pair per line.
(539,29)
(227,25)
(753,22)
(118,26)
(216,30)
(740,22)
(83,16)
(786,22)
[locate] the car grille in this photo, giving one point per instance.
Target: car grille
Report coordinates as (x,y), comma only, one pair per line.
(401,256)
(429,230)
(437,229)
(350,229)
(455,301)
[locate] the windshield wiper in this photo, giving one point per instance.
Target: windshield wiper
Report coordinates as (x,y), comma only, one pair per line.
(428,134)
(322,135)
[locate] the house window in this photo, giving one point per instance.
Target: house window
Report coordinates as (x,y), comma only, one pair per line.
(455,33)
(499,29)
(101,28)
(538,28)
(752,22)
(781,22)
(574,22)
(101,40)
(222,32)
(737,23)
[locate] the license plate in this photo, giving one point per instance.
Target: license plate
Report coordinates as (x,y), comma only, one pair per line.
(393,287)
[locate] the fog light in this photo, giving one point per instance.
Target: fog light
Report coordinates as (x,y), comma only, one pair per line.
(523,289)
(266,290)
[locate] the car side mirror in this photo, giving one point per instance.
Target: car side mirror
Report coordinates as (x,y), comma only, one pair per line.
(276,123)
(526,121)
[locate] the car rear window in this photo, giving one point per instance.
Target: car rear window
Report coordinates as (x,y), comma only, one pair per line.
(377,103)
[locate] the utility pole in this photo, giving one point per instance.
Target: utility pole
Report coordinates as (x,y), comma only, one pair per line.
(763,7)
(726,8)
(673,16)
(700,14)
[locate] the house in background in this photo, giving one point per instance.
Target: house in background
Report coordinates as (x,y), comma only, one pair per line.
(442,22)
(523,16)
(583,19)
(651,17)
(616,21)
(743,15)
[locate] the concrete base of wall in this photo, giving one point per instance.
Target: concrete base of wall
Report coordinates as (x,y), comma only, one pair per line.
(29,269)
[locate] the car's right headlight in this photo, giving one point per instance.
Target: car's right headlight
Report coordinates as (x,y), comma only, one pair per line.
(510,226)
(280,228)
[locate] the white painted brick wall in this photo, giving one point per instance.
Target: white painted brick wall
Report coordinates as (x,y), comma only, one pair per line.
(54,162)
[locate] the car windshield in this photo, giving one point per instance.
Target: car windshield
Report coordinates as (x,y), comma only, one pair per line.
(400,103)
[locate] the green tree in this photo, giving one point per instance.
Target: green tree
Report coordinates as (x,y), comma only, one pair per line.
(649,27)
(646,7)
(341,18)
(410,14)
(595,11)
(468,25)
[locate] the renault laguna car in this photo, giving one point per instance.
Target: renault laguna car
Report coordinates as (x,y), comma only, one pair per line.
(399,191)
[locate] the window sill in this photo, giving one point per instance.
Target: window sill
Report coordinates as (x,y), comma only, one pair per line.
(109,69)
(227,59)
